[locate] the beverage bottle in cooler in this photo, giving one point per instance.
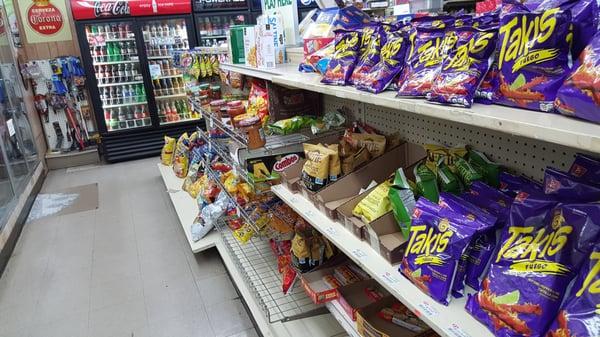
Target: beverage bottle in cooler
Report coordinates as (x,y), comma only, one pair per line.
(107,33)
(118,96)
(99,70)
(122,115)
(121,29)
(175,112)
(115,30)
(173,31)
(166,30)
(114,116)
(139,94)
(126,94)
(161,110)
(107,115)
(132,93)
(104,96)
(134,72)
(133,48)
(108,74)
(153,31)
(138,113)
(159,31)
(109,52)
(118,51)
(130,114)
(109,94)
(179,110)
(120,73)
(165,84)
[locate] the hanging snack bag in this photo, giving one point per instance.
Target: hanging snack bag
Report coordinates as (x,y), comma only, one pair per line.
(315,172)
(533,50)
(344,58)
(423,62)
(584,16)
(426,182)
(464,67)
(402,200)
(373,38)
(579,314)
(579,96)
(166,154)
(375,204)
(434,248)
(475,258)
(586,168)
(389,66)
(534,264)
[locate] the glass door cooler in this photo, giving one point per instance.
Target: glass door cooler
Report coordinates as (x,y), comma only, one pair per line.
(137,93)
(213,19)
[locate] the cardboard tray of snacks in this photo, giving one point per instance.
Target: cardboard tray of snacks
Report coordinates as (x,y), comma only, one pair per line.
(334,194)
(369,324)
(341,271)
(356,296)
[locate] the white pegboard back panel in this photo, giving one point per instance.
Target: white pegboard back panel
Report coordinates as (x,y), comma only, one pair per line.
(519,154)
(333,103)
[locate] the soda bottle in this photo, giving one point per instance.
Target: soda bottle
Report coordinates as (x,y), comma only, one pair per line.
(107,33)
(115,30)
(127,30)
(99,74)
(138,93)
(121,28)
(118,96)
(137,113)
(175,112)
(94,30)
(132,93)
(126,94)
(103,96)
(122,115)
(121,69)
(158,91)
(165,30)
(107,115)
(114,119)
(130,114)
(110,98)
(109,52)
(117,50)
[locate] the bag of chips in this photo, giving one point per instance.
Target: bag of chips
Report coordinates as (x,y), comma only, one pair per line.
(539,254)
(374,143)
(375,204)
(373,38)
(402,200)
(166,154)
(426,182)
(389,66)
(579,314)
(511,184)
(586,168)
(423,62)
(344,58)
(434,248)
(180,159)
(533,57)
(568,188)
(315,172)
(489,170)
(579,96)
(464,67)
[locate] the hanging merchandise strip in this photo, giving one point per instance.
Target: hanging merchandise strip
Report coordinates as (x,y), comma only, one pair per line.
(257,264)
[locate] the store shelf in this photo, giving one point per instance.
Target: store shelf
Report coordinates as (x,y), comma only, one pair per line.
(206,37)
(161,57)
(123,104)
(181,121)
(167,76)
(186,209)
(118,84)
(170,96)
(222,149)
(114,62)
(546,127)
(340,315)
(451,321)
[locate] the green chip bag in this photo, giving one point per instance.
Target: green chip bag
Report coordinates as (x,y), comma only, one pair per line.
(466,172)
(487,168)
(426,182)
(447,180)
(402,200)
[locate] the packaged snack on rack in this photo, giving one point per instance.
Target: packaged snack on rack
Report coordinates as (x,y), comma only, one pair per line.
(511,184)
(489,170)
(180,159)
(375,144)
(467,173)
(372,39)
(568,188)
(343,60)
(426,182)
(166,154)
(402,200)
(527,280)
(435,246)
(531,76)
(315,172)
(586,168)
(579,95)
(402,316)
(375,204)
(447,180)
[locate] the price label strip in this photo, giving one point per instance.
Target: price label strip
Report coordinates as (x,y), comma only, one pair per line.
(455,331)
(427,310)
(359,253)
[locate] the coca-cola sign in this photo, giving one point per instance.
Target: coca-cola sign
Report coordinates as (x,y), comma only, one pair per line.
(92,9)
(111,8)
(44,18)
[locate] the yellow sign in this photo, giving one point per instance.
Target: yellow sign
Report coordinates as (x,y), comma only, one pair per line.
(45,20)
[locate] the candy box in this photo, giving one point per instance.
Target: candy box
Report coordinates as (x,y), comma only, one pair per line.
(360,294)
(250,45)
(236,44)
(370,324)
(311,45)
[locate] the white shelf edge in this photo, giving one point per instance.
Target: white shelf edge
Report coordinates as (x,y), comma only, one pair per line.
(548,127)
(340,315)
(445,320)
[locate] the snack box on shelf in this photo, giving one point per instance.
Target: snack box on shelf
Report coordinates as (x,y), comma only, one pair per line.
(383,234)
(321,283)
(369,324)
(360,294)
(331,196)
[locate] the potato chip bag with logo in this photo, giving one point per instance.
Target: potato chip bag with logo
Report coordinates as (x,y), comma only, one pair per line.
(342,62)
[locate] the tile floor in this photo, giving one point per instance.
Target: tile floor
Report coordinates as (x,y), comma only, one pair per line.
(123,270)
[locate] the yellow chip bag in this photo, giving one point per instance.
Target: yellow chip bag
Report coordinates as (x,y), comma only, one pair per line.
(375,204)
(166,155)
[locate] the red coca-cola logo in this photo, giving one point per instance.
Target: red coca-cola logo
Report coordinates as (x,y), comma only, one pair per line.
(111,8)
(286,162)
(44,17)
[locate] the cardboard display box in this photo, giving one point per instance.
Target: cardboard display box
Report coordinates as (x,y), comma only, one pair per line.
(354,297)
(369,324)
(316,288)
(334,194)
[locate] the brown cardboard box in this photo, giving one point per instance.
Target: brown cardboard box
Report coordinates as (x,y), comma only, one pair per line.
(316,288)
(352,223)
(353,297)
(369,324)
(333,195)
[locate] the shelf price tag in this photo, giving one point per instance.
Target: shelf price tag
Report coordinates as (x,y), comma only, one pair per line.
(294,199)
(359,253)
(427,310)
(455,331)
(389,278)
(331,231)
(309,213)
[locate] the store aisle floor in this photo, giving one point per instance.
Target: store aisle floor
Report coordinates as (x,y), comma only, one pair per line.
(123,270)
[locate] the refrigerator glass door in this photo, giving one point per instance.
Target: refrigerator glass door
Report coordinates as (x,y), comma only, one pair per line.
(213,29)
(161,39)
(114,53)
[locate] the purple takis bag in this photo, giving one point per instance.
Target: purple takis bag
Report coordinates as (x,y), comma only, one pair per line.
(579,314)
(372,38)
(534,264)
(464,67)
(434,248)
(389,66)
(586,168)
(344,57)
(511,184)
(533,56)
(423,62)
(474,261)
(489,199)
(584,14)
(579,96)
(567,188)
